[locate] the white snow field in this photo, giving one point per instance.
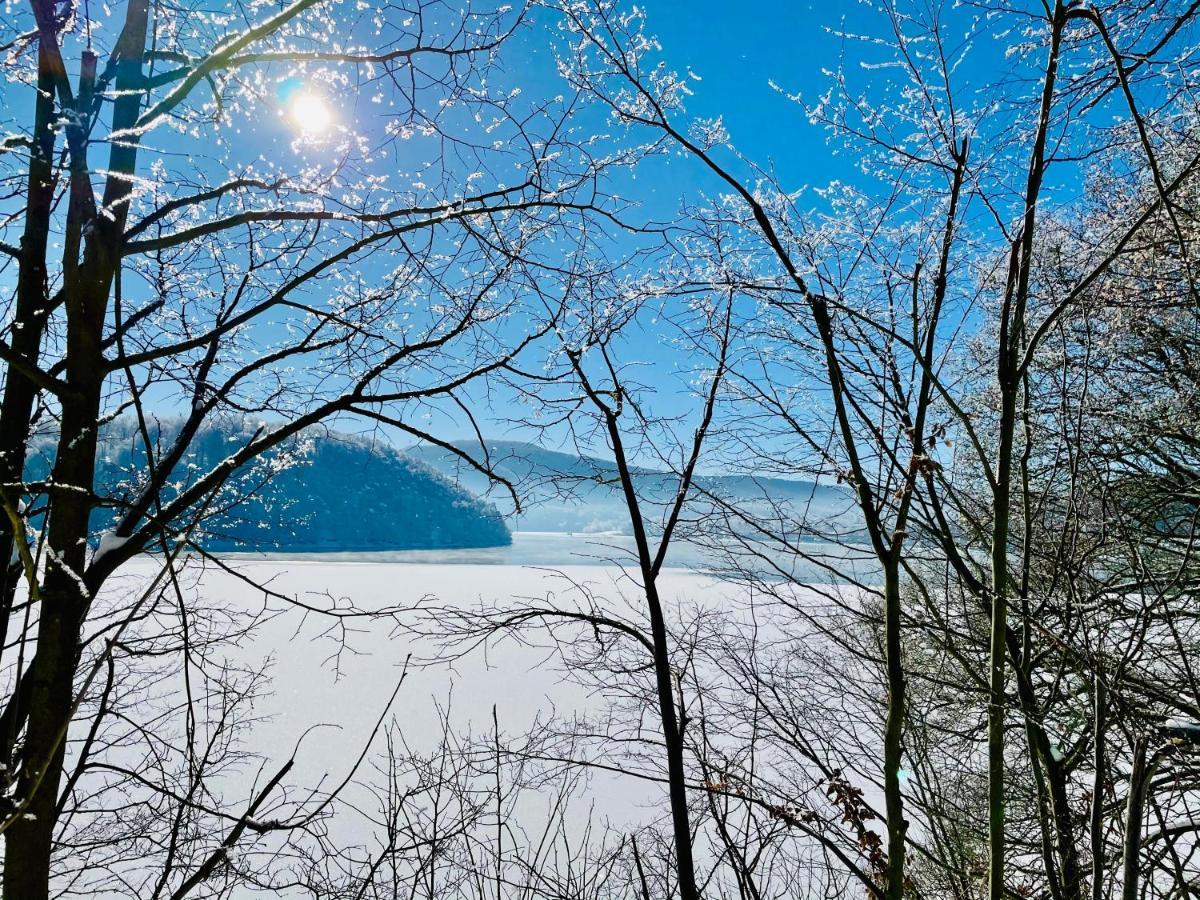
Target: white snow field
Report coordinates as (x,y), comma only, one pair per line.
(342,681)
(331,678)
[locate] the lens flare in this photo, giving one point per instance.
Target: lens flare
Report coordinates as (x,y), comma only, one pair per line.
(309,112)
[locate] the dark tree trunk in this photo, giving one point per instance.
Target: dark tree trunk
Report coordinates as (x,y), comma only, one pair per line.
(64,598)
(897,825)
(30,315)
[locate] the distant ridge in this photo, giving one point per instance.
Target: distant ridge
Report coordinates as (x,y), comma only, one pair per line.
(574,493)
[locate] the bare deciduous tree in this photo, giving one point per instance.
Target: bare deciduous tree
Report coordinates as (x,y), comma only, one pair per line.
(363,260)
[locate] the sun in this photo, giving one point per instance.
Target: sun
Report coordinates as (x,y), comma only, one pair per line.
(309,112)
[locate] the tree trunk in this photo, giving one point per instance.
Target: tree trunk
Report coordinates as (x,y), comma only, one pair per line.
(897,826)
(1096,824)
(29,839)
(673,723)
(999,633)
(1135,807)
(1063,868)
(672,727)
(29,319)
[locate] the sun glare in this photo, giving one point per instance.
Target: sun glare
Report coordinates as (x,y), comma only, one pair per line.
(309,112)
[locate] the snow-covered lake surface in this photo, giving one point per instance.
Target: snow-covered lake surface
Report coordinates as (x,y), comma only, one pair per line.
(832,563)
(332,680)
(340,673)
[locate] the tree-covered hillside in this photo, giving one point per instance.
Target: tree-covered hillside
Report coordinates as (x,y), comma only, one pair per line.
(322,491)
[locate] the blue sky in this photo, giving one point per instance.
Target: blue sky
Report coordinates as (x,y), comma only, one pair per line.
(736,50)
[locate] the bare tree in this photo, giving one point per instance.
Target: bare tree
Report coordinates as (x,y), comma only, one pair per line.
(591,390)
(365,260)
(911,316)
(324,213)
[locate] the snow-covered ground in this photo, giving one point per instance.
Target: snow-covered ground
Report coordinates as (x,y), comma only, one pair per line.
(331,679)
(343,680)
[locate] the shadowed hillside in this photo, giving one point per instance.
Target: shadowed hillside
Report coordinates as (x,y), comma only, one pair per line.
(325,491)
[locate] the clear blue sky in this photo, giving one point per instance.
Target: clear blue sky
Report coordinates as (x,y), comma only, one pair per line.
(737,50)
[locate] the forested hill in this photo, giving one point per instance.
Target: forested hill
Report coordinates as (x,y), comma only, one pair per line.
(571,492)
(323,492)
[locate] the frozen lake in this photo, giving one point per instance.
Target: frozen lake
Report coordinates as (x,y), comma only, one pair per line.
(831,563)
(330,678)
(338,673)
